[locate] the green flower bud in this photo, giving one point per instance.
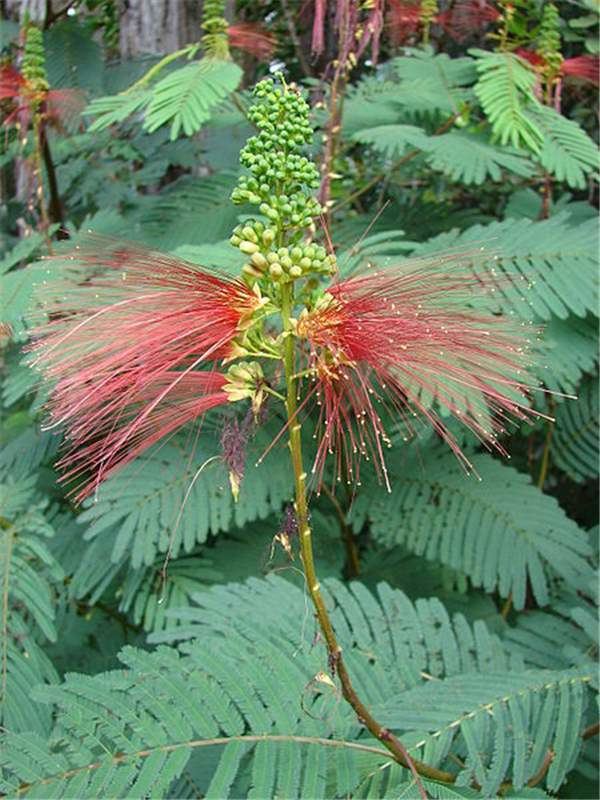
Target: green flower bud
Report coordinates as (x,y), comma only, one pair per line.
(268,236)
(258,260)
(248,247)
(248,233)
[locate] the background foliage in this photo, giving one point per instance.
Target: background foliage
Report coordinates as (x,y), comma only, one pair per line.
(470,622)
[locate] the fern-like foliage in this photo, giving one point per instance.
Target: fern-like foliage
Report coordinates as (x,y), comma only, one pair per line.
(501,531)
(432,84)
(575,443)
(172,499)
(545,268)
(420,85)
(189,212)
(506,723)
(27,574)
(73,57)
(567,151)
(187,97)
(111,109)
(17,285)
(370,103)
(564,637)
(464,157)
(23,250)
(469,159)
(568,350)
(240,705)
(505,91)
(393,140)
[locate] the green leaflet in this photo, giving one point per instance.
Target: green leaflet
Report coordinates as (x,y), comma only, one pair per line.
(28,577)
(499,718)
(575,443)
(186,97)
(567,151)
(501,531)
(168,500)
(545,268)
(505,90)
(464,157)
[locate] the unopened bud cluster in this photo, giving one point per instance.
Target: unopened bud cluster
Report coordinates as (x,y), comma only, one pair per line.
(33,63)
(257,241)
(215,25)
(549,40)
(281,178)
(280,183)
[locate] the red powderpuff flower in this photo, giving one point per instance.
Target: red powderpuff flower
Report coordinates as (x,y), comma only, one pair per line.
(403,20)
(58,107)
(584,67)
(253,38)
(467,18)
(124,349)
(387,340)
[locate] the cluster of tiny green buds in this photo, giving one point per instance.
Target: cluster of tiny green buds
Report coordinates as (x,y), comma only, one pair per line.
(281,178)
(428,12)
(280,183)
(256,241)
(549,40)
(214,25)
(33,65)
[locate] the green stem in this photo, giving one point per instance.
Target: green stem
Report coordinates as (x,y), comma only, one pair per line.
(547,445)
(188,50)
(336,662)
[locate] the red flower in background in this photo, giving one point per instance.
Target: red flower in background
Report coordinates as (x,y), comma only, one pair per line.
(58,107)
(381,341)
(584,67)
(467,18)
(124,349)
(403,19)
(462,20)
(253,38)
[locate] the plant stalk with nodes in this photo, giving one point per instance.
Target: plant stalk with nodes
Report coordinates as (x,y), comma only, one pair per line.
(362,351)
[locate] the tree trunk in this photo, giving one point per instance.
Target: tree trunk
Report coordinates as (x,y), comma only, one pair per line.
(158,26)
(146,26)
